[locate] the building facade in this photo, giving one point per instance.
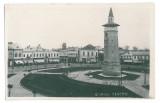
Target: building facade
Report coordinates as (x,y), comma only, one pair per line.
(73,54)
(15,54)
(138,56)
(88,54)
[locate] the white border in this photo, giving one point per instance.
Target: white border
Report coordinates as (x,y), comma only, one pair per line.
(157,49)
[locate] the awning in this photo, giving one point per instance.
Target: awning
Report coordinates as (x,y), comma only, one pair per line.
(19,62)
(39,61)
(28,61)
(53,60)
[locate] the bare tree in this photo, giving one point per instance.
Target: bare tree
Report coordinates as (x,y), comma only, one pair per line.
(126,47)
(135,48)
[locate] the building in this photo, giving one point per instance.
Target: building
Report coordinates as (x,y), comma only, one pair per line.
(63,55)
(15,54)
(88,54)
(111,65)
(64,46)
(37,54)
(53,56)
(138,56)
(73,54)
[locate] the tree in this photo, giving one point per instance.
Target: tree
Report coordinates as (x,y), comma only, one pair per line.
(126,47)
(135,48)
(101,56)
(10,86)
(146,49)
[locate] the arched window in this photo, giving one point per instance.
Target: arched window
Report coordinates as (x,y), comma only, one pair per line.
(15,54)
(19,54)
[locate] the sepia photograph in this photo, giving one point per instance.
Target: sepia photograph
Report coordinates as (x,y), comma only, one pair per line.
(103,50)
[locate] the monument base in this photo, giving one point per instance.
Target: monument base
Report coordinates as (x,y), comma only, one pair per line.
(112,69)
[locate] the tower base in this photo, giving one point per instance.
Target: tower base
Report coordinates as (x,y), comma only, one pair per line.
(111,69)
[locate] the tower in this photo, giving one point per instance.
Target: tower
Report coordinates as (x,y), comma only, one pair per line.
(111,65)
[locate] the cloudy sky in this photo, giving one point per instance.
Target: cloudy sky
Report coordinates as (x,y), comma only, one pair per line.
(77,24)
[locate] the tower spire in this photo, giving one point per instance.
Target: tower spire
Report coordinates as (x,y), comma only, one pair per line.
(111,20)
(110,13)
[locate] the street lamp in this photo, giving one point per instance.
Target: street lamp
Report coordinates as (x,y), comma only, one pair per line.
(13,62)
(10,86)
(37,65)
(34,93)
(121,76)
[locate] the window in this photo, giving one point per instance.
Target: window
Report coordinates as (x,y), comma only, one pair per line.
(88,53)
(34,55)
(40,55)
(19,54)
(16,54)
(92,53)
(49,54)
(54,54)
(27,55)
(30,55)
(83,53)
(142,57)
(37,54)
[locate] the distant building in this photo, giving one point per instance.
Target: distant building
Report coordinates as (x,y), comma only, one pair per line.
(14,54)
(64,46)
(37,54)
(138,56)
(88,54)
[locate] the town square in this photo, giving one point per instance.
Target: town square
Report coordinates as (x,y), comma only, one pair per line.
(113,62)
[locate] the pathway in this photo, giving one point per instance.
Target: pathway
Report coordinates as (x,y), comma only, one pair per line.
(135,86)
(18,90)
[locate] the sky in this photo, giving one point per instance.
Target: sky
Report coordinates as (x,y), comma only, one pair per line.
(77,24)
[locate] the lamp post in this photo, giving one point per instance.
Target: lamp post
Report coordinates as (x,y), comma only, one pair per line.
(13,62)
(10,86)
(30,66)
(121,76)
(37,65)
(34,93)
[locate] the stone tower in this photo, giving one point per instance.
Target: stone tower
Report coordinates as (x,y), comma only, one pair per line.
(111,65)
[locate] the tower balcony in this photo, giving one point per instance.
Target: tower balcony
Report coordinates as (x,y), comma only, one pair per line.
(111,29)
